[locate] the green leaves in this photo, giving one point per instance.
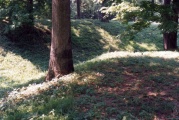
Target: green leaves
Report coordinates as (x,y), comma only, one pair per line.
(139,15)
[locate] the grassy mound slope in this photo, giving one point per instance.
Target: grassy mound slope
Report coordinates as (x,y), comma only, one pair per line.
(106,84)
(92,37)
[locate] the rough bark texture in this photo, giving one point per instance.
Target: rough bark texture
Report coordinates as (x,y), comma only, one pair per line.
(61,62)
(170,38)
(78,2)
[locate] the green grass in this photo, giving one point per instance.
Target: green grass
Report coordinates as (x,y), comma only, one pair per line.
(106,84)
(92,37)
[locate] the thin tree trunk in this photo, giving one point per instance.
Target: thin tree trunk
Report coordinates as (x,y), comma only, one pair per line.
(78,2)
(170,38)
(61,62)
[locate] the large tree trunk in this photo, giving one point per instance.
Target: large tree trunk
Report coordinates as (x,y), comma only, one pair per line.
(61,62)
(170,38)
(78,2)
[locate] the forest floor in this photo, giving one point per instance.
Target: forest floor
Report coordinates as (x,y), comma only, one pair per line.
(114,79)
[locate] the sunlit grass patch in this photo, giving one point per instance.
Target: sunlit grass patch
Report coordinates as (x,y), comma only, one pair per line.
(111,43)
(98,37)
(16,71)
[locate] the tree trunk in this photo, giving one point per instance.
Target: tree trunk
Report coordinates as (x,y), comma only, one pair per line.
(78,2)
(61,62)
(170,38)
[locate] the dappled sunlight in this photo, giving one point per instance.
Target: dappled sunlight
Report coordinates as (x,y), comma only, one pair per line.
(163,54)
(17,66)
(154,64)
(156,93)
(114,85)
(118,54)
(143,84)
(15,70)
(147,46)
(17,95)
(105,84)
(76,31)
(129,46)
(109,41)
(98,37)
(88,28)
(88,78)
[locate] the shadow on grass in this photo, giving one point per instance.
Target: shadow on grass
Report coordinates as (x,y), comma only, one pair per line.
(120,88)
(11,85)
(86,45)
(38,54)
(43,105)
(146,40)
(14,68)
(90,38)
(131,88)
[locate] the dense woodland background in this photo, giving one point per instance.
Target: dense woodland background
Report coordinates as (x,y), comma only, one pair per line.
(106,59)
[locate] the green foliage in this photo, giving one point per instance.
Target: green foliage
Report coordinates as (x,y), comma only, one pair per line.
(89,9)
(42,9)
(16,14)
(143,13)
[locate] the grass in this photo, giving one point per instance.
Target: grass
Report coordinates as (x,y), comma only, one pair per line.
(104,38)
(114,78)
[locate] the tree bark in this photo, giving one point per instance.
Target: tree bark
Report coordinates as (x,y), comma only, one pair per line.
(170,41)
(78,2)
(170,38)
(61,62)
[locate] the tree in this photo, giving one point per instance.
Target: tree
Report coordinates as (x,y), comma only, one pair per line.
(145,12)
(88,8)
(170,37)
(60,62)
(78,2)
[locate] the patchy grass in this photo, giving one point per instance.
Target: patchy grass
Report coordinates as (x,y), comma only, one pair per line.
(91,38)
(139,86)
(16,69)
(106,84)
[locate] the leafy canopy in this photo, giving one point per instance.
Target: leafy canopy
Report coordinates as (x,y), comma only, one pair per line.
(139,14)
